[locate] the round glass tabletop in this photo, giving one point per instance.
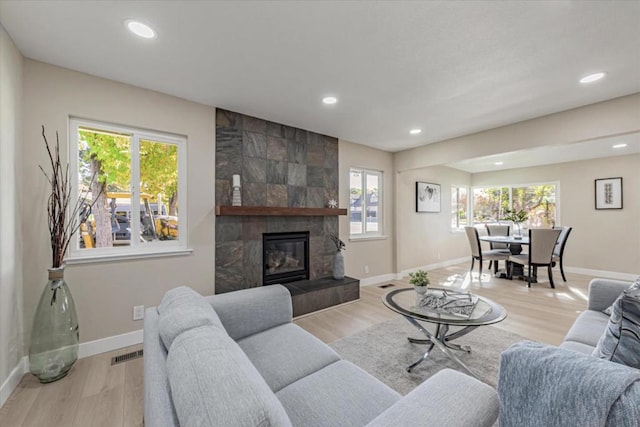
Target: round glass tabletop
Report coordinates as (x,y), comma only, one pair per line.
(445,306)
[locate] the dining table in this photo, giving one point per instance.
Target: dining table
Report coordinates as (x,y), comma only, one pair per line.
(515,247)
(515,242)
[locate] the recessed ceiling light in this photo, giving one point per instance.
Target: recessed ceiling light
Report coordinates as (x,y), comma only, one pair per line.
(499,163)
(140,29)
(329,100)
(619,145)
(592,77)
(415,131)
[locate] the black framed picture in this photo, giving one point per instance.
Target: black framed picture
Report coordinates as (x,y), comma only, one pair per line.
(427,197)
(609,193)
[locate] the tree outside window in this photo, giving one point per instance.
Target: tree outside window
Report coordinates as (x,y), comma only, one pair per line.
(539,201)
(459,207)
(131,168)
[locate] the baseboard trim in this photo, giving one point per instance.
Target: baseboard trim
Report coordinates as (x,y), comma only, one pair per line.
(13,380)
(91,348)
(369,281)
(447,263)
(601,273)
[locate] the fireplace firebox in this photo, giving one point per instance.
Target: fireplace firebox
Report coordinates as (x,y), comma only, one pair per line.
(285,257)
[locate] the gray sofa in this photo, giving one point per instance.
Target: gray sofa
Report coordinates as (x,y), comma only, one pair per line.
(542,385)
(236,359)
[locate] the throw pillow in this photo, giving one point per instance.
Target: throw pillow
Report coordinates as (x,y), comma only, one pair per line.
(620,342)
(634,285)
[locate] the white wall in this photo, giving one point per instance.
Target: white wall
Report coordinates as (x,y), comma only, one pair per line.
(11,325)
(105,292)
(426,239)
(377,254)
(605,240)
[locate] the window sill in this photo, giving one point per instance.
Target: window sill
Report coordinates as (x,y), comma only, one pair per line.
(125,256)
(367,238)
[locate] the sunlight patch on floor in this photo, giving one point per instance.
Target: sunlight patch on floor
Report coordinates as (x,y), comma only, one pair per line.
(579,293)
(565,295)
(459,281)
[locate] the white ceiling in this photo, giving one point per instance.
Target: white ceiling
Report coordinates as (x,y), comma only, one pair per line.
(450,68)
(602,147)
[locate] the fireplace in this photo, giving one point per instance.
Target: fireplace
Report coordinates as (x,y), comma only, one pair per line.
(285,257)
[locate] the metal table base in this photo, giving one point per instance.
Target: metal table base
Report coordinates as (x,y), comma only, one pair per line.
(442,339)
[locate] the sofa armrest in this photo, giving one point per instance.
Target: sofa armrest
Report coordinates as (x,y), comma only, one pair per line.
(158,404)
(603,292)
(449,398)
(249,311)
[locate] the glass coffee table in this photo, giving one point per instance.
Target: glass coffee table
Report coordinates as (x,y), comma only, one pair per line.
(435,309)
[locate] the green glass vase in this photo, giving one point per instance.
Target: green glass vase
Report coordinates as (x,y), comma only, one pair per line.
(55,334)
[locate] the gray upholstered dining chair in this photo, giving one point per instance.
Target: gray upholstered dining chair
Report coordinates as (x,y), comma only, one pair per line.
(498,230)
(542,241)
(558,250)
(478,254)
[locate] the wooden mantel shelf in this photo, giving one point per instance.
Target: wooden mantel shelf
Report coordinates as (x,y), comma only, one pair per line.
(277,211)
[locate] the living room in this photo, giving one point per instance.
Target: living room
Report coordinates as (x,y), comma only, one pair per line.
(40,89)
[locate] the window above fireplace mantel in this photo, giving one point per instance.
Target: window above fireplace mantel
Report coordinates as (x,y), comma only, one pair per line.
(277,211)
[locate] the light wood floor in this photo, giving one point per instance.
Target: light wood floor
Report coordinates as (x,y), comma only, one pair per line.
(98,394)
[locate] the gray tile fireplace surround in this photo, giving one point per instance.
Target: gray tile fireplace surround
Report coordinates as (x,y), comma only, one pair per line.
(280,166)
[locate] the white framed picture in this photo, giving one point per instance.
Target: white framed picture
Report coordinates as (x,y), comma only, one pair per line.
(427,197)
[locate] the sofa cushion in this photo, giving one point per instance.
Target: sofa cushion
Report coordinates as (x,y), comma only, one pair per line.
(182,309)
(423,405)
(620,342)
(286,353)
(341,394)
(213,383)
(588,327)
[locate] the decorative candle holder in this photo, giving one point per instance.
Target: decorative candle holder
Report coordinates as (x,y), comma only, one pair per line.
(236,197)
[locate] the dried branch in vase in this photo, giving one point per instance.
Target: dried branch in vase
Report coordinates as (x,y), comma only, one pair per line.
(62,228)
(340,246)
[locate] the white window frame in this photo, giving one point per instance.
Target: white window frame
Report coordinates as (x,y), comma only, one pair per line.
(510,187)
(467,207)
(363,218)
(136,249)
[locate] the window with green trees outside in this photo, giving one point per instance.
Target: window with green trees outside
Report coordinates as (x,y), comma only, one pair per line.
(539,201)
(119,169)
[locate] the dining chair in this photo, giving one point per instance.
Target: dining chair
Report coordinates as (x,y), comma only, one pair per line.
(542,242)
(498,230)
(558,250)
(478,254)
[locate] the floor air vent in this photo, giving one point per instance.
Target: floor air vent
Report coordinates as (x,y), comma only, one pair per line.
(388,285)
(126,357)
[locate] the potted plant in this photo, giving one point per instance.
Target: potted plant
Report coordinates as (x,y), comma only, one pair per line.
(419,280)
(517,217)
(54,338)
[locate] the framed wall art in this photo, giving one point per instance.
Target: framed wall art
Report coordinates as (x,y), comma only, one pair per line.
(609,193)
(427,197)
